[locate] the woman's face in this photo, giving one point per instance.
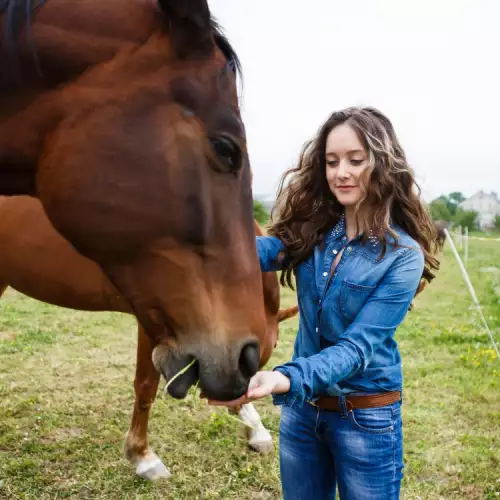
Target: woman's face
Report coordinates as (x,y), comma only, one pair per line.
(346,160)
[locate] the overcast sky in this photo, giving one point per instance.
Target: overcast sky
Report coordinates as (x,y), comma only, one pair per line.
(432,66)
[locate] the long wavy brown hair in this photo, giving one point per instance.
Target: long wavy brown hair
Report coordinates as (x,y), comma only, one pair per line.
(306,209)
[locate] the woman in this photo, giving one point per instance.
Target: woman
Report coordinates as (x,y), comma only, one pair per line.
(353,230)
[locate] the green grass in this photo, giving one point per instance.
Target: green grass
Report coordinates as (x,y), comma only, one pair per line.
(66,397)
(485,234)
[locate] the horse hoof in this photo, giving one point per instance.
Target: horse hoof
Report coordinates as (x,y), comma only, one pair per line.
(262,447)
(261,441)
(152,468)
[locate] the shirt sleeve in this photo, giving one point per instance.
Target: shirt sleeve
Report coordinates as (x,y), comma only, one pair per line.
(270,250)
(378,319)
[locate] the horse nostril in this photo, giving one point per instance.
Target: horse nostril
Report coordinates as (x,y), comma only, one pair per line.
(250,359)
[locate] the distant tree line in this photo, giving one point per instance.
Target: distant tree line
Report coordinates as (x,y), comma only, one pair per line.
(446,208)
(260,212)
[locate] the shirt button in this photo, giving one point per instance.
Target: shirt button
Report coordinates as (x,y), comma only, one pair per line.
(335,252)
(325,274)
(317,329)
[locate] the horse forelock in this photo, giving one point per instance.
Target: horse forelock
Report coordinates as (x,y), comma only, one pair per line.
(226,48)
(18,13)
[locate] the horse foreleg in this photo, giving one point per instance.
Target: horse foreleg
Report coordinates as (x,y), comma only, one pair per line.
(3,287)
(148,465)
(259,438)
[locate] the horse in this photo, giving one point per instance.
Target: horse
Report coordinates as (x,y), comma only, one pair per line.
(440,226)
(41,264)
(122,118)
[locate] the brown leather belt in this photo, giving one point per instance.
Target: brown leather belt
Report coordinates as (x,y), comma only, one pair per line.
(332,403)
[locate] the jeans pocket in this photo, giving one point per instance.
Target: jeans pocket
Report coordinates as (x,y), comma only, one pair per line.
(373,420)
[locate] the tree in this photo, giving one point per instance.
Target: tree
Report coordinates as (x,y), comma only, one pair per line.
(496,223)
(445,207)
(466,218)
(454,199)
(260,212)
(439,209)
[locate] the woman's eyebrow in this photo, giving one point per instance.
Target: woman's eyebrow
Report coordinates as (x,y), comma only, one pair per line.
(332,153)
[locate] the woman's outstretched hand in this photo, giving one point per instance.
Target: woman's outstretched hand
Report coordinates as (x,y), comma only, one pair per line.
(261,384)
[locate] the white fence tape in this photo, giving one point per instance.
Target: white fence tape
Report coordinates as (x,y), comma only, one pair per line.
(472,292)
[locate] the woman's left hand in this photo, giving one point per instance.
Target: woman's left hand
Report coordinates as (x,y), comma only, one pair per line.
(261,384)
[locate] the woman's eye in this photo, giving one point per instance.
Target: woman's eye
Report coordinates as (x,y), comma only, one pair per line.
(332,163)
(356,162)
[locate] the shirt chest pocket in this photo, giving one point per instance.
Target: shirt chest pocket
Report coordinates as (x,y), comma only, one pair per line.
(306,285)
(352,298)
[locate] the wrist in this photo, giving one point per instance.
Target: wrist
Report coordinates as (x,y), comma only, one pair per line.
(282,383)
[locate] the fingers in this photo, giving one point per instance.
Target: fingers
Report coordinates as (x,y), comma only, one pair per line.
(260,391)
(261,384)
(254,382)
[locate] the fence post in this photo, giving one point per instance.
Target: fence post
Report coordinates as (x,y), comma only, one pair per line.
(466,245)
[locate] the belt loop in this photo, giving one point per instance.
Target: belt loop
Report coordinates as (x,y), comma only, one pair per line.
(343,407)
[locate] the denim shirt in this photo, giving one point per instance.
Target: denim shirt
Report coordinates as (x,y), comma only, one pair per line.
(348,318)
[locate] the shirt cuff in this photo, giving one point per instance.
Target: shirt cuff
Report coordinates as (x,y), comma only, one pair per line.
(295,394)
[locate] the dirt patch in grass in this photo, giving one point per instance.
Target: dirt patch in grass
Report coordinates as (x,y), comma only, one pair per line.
(61,435)
(5,336)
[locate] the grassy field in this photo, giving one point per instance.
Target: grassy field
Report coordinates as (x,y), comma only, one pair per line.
(484,234)
(66,397)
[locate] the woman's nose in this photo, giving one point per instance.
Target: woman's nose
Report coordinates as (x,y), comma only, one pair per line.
(342,171)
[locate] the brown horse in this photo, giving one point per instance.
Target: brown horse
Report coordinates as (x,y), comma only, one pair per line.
(122,117)
(440,226)
(39,263)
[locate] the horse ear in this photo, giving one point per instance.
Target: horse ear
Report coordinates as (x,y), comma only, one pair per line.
(190,27)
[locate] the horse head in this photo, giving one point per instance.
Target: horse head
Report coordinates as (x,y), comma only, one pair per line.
(141,164)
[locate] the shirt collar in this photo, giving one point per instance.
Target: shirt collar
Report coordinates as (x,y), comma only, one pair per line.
(338,230)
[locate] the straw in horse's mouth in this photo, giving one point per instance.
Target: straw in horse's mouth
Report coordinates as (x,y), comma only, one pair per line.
(180,372)
(178,385)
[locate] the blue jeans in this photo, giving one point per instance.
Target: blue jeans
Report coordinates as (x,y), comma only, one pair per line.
(360,452)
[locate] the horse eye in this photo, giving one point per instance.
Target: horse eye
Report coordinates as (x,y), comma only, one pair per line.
(228,153)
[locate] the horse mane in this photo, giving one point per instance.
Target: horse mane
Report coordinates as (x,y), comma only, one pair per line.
(19,13)
(225,47)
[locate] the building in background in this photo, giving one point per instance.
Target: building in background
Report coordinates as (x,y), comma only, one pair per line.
(487,207)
